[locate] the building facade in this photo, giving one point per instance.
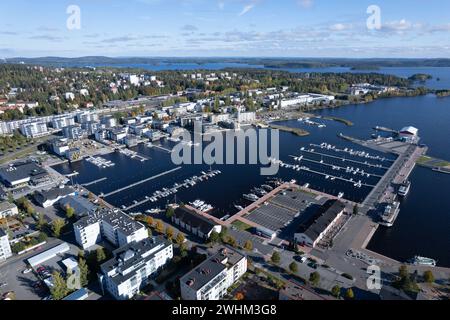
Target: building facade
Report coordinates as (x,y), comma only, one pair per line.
(211,279)
(5,248)
(133,266)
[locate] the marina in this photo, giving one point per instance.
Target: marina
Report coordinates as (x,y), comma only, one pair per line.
(100,162)
(133,155)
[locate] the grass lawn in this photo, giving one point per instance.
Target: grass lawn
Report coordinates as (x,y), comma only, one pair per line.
(241,225)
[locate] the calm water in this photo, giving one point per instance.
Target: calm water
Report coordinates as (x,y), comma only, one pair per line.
(424,222)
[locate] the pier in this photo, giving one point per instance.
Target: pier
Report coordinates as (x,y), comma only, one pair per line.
(162,148)
(334,166)
(94,182)
(297,131)
(343,159)
(141,182)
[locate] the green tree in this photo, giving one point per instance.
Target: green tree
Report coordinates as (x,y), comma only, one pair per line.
(403,271)
(84,272)
(214,237)
(276,258)
(428,276)
(355,209)
(231,241)
(170,212)
(248,245)
(59,290)
(349,294)
(336,291)
(293,267)
(100,255)
(57,226)
(314,278)
(70,212)
(41,221)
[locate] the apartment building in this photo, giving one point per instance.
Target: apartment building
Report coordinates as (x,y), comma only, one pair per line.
(8,209)
(133,266)
(5,248)
(112,225)
(211,279)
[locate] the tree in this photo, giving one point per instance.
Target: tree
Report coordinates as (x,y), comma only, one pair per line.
(180,238)
(41,221)
(59,290)
(57,226)
(293,267)
(428,276)
(214,237)
(240,296)
(170,212)
(160,226)
(248,245)
(403,271)
(231,241)
(84,272)
(349,294)
(336,291)
(275,257)
(169,232)
(70,212)
(314,278)
(355,209)
(100,254)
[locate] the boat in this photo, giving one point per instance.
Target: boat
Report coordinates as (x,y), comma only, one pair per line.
(404,189)
(390,213)
(423,261)
(240,208)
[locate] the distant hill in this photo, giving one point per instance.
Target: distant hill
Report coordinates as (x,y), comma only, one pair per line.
(355,64)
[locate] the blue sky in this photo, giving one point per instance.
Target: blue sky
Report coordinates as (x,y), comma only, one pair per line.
(290,28)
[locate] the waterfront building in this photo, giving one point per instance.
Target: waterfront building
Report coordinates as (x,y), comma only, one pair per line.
(133,265)
(311,231)
(112,225)
(195,223)
(34,129)
(211,279)
(90,127)
(59,146)
(108,121)
(8,209)
(409,134)
(48,198)
(5,248)
(297,100)
(21,173)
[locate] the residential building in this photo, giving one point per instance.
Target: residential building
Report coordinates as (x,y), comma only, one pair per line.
(211,279)
(34,129)
(60,123)
(5,248)
(294,101)
(108,122)
(112,225)
(195,223)
(8,209)
(133,266)
(311,231)
(73,132)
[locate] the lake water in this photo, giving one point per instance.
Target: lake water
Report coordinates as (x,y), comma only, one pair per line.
(423,224)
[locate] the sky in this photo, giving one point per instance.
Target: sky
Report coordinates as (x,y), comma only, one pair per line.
(225,28)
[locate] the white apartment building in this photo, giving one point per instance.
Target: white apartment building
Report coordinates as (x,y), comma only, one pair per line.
(211,279)
(112,225)
(246,117)
(34,129)
(298,100)
(60,123)
(8,209)
(5,248)
(133,265)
